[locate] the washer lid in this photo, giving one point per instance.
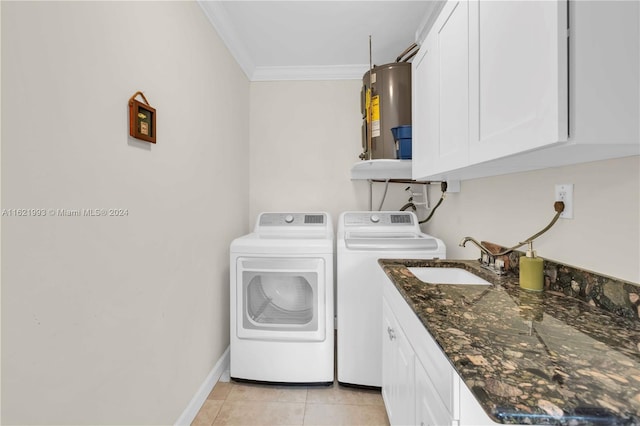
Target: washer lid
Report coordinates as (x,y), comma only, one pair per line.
(390,241)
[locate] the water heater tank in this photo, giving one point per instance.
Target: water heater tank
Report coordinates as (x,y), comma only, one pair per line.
(386,90)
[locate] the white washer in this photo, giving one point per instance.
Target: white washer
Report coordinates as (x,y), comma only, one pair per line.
(362,239)
(282,300)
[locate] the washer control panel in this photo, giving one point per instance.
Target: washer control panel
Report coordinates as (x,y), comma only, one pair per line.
(379,218)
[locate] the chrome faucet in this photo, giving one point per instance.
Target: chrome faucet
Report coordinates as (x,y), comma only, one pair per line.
(488,259)
(492,261)
(465,240)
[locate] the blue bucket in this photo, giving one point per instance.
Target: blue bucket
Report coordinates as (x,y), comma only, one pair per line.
(401,132)
(402,137)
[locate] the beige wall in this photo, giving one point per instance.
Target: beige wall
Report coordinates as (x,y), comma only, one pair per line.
(305,136)
(0,216)
(116,320)
(119,320)
(603,236)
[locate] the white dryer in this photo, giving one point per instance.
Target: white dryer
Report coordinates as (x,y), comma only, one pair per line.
(282,300)
(362,239)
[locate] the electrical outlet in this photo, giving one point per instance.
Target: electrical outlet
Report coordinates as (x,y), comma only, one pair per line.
(564,193)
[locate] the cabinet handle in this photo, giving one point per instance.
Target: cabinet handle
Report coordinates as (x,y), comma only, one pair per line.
(392,334)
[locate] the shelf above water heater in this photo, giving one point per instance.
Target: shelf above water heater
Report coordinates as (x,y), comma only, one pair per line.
(381,169)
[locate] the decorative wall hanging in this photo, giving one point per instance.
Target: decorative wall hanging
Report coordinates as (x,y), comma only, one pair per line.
(142,119)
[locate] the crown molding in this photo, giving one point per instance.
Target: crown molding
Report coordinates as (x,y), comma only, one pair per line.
(217,15)
(428,21)
(320,72)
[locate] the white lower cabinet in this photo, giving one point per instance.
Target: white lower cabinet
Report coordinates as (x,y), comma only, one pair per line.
(419,384)
(397,371)
(430,411)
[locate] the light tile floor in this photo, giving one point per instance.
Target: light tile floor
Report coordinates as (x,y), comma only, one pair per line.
(235,403)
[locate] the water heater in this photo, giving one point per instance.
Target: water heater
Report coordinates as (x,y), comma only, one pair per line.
(385,103)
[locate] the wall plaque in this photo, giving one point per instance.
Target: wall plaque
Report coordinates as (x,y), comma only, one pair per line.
(142,119)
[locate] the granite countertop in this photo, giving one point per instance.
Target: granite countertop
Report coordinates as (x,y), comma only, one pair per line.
(529,358)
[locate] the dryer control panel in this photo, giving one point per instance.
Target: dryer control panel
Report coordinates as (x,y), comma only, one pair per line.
(379,218)
(295,219)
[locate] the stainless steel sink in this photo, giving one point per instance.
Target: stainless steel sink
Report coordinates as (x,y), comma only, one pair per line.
(457,276)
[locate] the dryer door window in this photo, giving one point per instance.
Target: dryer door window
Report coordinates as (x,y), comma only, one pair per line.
(281,298)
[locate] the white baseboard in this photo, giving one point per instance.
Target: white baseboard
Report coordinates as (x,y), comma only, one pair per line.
(205,388)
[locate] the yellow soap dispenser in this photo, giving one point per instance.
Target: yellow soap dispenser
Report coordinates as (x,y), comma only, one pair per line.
(531,271)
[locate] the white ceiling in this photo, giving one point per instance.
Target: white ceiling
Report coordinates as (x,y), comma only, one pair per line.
(306,39)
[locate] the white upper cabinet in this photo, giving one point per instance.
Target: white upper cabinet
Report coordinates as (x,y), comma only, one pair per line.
(509,86)
(604,59)
(441,96)
(518,79)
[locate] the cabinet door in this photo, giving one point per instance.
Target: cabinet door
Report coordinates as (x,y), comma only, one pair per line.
(441,97)
(429,409)
(397,371)
(518,69)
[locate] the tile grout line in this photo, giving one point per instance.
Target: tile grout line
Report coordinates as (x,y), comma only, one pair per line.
(307,403)
(224,401)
